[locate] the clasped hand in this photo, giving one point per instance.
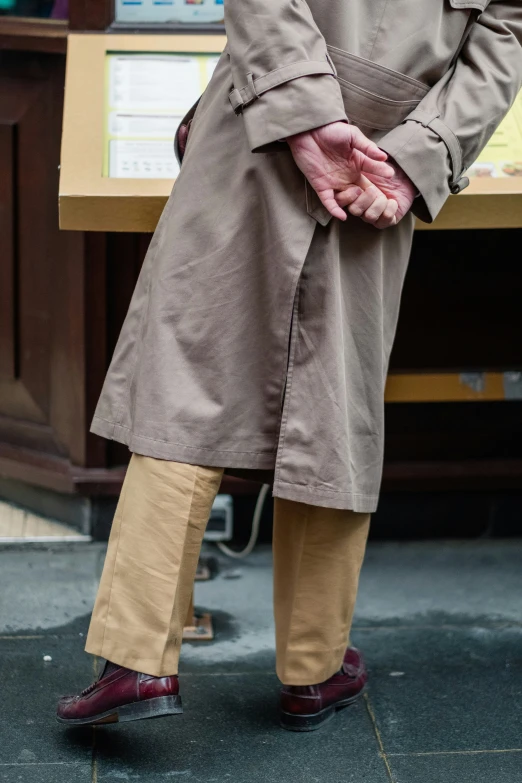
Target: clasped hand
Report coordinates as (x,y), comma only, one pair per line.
(350,172)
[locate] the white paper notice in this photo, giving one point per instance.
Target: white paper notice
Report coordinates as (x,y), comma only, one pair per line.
(147,97)
(150,125)
(142,160)
(157,82)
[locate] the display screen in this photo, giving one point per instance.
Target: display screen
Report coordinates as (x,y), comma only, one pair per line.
(170,11)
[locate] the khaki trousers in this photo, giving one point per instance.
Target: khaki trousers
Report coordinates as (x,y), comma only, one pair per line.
(151,561)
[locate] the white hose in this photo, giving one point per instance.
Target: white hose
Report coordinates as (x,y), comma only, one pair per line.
(254,535)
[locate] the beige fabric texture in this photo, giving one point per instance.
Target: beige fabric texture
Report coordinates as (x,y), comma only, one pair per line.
(318,554)
(202,364)
(148,576)
(147,580)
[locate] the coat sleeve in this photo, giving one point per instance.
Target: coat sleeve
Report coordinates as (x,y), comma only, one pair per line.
(440,139)
(284,81)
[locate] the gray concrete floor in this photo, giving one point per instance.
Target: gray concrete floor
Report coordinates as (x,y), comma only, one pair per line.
(440,623)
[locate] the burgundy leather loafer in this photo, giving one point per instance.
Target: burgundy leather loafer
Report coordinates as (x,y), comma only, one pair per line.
(121,695)
(308,707)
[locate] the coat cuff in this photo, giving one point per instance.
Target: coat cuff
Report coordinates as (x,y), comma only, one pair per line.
(429,153)
(293,106)
(424,158)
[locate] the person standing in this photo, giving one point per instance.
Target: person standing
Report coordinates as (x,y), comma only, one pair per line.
(259,334)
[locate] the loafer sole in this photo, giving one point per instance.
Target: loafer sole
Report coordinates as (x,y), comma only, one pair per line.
(315,720)
(139,710)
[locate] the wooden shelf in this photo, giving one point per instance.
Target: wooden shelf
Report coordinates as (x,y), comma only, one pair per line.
(33,35)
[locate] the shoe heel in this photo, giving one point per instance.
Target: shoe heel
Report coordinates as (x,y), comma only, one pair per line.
(150,708)
(306,722)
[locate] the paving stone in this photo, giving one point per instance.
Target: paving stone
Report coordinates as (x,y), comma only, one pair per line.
(464,580)
(446,689)
(439,623)
(479,768)
(30,689)
(46,773)
(229,732)
(45,588)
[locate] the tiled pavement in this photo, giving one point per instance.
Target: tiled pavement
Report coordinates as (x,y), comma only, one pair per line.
(441,626)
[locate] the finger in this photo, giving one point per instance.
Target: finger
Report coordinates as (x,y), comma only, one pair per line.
(364,201)
(383,225)
(328,200)
(348,196)
(369,148)
(363,182)
(389,216)
(375,211)
(377,167)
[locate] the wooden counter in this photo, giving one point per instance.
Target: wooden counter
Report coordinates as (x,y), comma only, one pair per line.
(91,202)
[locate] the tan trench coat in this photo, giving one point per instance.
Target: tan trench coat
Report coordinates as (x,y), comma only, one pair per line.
(259,333)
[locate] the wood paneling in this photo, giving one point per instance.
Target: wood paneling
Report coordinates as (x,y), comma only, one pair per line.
(7,250)
(42,270)
(63,295)
(35,216)
(33,35)
(91,14)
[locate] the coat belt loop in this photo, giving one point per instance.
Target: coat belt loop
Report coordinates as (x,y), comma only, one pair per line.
(251,84)
(241,98)
(236,100)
